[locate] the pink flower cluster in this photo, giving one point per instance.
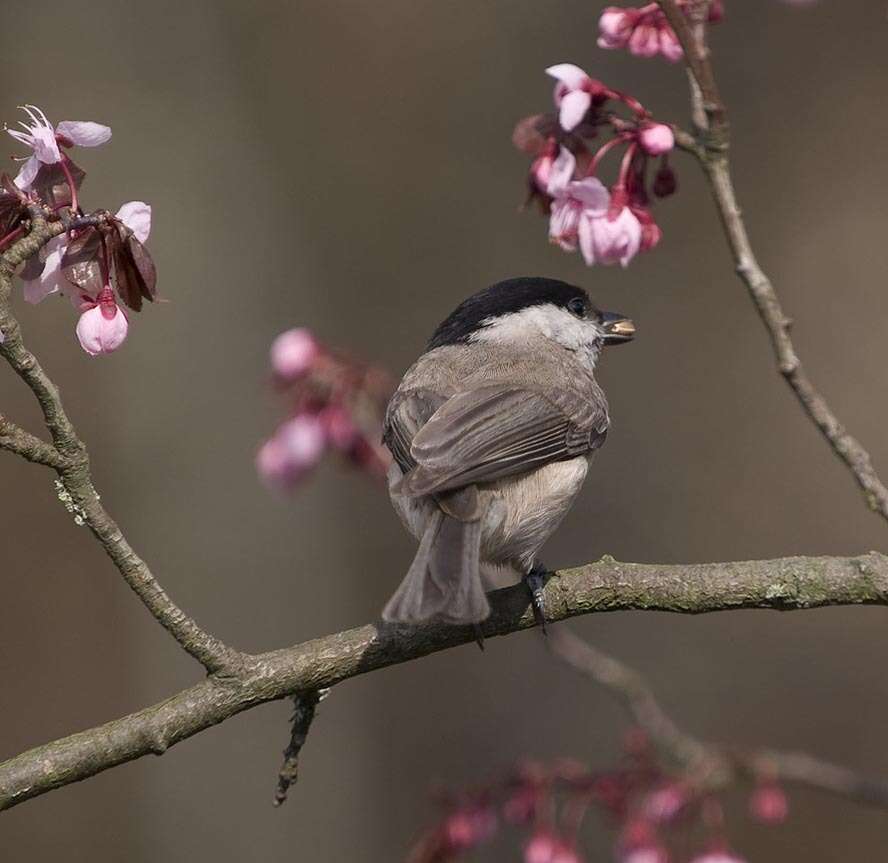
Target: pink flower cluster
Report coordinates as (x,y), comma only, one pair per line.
(644,31)
(93,265)
(334,402)
(607,225)
(649,809)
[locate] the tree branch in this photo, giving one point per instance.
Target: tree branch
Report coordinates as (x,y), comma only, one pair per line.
(782,584)
(23,443)
(69,457)
(709,766)
(712,152)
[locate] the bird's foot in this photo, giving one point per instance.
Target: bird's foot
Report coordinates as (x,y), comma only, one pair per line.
(479,636)
(536,581)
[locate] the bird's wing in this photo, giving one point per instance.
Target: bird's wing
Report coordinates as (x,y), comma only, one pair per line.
(407,412)
(496,431)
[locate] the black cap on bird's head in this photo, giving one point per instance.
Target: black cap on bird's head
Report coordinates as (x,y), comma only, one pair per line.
(481,310)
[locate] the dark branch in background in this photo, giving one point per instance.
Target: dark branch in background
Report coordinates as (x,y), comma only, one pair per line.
(304,708)
(712,151)
(68,456)
(707,766)
(782,584)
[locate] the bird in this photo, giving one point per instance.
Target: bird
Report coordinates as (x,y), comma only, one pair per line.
(491,432)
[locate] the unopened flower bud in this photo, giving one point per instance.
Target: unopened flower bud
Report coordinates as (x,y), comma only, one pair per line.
(293,353)
(665,182)
(615,27)
(656,139)
(103,326)
(768,804)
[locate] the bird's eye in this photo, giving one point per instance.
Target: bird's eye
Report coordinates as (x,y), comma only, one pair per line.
(577,307)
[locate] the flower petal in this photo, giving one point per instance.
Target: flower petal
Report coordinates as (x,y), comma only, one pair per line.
(27,173)
(574,106)
(84,133)
(561,172)
(50,280)
(100,335)
(136,215)
(593,194)
(573,76)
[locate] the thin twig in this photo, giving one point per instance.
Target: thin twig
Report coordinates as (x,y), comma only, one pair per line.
(782,584)
(712,153)
(707,764)
(72,464)
(23,443)
(304,706)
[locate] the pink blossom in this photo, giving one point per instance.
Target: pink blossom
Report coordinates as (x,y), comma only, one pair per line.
(574,93)
(136,215)
(768,804)
(645,40)
(468,827)
(670,47)
(645,32)
(663,804)
(606,239)
(656,138)
(294,353)
(295,448)
(571,200)
(44,141)
(339,427)
(545,847)
(103,326)
(615,27)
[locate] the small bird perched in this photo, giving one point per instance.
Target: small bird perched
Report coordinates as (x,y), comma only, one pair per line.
(492,430)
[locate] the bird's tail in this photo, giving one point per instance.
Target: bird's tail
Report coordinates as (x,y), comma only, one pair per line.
(444,580)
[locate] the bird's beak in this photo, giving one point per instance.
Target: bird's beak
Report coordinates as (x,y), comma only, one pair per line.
(617,328)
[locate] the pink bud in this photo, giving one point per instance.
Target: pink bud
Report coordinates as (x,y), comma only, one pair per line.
(768,804)
(644,41)
(615,27)
(293,353)
(664,804)
(670,47)
(656,138)
(102,328)
(545,847)
(295,448)
(338,427)
(468,827)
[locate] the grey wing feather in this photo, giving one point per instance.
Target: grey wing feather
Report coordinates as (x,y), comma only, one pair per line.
(491,432)
(408,412)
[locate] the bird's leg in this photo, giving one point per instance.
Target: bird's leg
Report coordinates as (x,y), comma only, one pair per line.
(536,580)
(479,636)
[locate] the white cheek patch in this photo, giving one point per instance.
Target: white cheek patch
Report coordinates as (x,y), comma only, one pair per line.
(547,320)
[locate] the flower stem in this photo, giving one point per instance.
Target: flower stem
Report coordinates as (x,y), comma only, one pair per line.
(71,184)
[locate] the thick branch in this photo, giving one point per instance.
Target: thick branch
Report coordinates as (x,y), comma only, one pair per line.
(713,156)
(69,457)
(783,584)
(708,765)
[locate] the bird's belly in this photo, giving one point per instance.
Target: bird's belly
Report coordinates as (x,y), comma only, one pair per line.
(521,512)
(526,510)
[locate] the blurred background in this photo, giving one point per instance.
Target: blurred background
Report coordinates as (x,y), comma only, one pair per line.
(347,166)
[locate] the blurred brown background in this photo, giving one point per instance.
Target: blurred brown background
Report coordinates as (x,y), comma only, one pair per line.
(347,166)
